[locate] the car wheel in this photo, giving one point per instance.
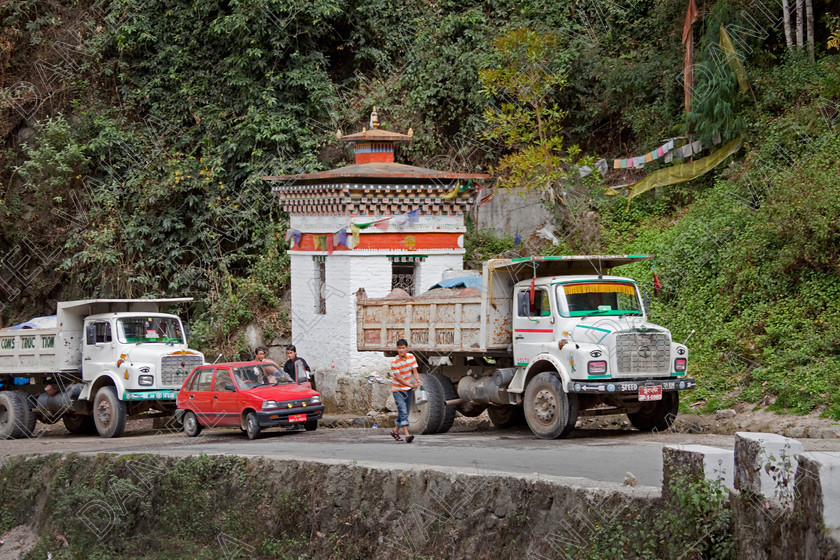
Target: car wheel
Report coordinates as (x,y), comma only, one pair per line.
(551,413)
(252,426)
(311,425)
(109,413)
(191,426)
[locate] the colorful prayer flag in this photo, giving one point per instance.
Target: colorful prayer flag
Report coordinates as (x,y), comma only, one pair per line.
(414,216)
(354,233)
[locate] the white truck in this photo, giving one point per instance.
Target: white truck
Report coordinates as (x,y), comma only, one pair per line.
(92,365)
(548,339)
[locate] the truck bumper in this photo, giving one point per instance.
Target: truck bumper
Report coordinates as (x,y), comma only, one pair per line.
(629,386)
(154,395)
(281,416)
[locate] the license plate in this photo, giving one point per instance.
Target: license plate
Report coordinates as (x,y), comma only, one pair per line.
(650,393)
(302,417)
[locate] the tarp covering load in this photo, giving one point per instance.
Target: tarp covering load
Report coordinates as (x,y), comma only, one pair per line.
(680,173)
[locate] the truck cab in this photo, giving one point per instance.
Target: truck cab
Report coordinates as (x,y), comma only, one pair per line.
(92,365)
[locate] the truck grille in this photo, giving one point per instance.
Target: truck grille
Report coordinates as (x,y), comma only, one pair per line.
(171,370)
(643,353)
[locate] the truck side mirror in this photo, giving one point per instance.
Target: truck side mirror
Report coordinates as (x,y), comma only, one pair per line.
(90,334)
(646,303)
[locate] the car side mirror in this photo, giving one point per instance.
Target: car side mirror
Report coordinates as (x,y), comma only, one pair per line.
(229,387)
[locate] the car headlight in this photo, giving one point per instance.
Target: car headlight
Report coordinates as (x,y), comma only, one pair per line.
(146,380)
(270,404)
(315,400)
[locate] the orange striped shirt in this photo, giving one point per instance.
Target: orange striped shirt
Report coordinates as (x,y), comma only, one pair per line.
(401,370)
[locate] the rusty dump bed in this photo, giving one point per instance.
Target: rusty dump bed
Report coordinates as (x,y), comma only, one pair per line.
(472,324)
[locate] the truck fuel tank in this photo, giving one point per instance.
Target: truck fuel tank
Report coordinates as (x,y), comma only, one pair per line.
(487,389)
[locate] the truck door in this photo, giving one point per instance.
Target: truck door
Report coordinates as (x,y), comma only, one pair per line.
(533,324)
(225,400)
(98,349)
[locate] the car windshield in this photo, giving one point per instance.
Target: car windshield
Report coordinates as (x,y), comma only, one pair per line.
(248,377)
(150,329)
(600,298)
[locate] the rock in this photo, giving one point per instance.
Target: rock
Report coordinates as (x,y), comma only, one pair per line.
(829,434)
(630,479)
(26,133)
(725,414)
(795,432)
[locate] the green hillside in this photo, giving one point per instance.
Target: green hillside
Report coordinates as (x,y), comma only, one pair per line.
(134,135)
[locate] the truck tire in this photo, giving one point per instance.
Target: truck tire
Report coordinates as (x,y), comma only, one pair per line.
(11,415)
(27,426)
(656,415)
(109,412)
(426,418)
(471,409)
(448,394)
(505,415)
(551,413)
(79,424)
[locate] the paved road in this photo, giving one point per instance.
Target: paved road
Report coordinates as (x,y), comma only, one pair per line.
(604,455)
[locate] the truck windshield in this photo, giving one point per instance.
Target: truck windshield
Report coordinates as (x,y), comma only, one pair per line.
(150,329)
(600,298)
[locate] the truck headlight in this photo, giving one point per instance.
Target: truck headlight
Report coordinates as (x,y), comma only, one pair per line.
(597,368)
(315,400)
(680,365)
(146,380)
(266,405)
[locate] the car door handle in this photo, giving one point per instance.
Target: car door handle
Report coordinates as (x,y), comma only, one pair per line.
(215,396)
(88,358)
(192,396)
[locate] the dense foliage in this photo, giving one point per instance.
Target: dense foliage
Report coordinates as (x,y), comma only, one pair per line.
(135,135)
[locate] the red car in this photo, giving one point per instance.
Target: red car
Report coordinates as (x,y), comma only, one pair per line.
(251,395)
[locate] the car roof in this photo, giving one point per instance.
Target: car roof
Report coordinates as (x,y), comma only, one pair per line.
(236,364)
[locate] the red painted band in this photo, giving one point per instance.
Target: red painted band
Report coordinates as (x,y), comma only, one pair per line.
(534,330)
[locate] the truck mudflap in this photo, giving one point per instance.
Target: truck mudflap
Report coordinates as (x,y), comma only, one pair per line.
(154,395)
(635,386)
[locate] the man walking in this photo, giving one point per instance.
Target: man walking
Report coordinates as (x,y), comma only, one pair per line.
(403,368)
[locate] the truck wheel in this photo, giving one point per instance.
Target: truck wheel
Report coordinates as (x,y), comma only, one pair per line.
(27,426)
(505,415)
(656,415)
(191,426)
(551,413)
(109,412)
(79,424)
(448,394)
(426,418)
(11,415)
(252,426)
(471,409)
(311,425)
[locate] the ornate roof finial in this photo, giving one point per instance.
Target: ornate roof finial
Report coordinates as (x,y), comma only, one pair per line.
(374,118)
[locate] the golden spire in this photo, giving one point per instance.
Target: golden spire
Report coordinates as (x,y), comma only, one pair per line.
(374,118)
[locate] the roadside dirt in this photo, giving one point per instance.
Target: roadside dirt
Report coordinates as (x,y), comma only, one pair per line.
(16,542)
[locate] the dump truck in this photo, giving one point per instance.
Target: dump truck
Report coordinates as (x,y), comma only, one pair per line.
(544,341)
(92,365)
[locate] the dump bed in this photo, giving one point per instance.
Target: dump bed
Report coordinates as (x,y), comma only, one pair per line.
(58,347)
(471,324)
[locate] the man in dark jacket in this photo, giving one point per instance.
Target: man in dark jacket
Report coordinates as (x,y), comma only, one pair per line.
(299,373)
